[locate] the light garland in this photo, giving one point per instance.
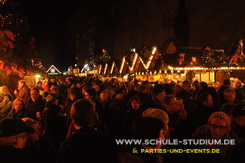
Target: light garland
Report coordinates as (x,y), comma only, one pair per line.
(131,68)
(100,68)
(112,67)
(204,68)
(106,65)
(122,64)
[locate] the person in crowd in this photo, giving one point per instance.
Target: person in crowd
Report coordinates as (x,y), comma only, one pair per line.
(238,114)
(195,89)
(240,95)
(91,94)
(105,103)
(230,96)
(54,125)
(145,97)
(211,90)
(133,91)
(62,87)
(4,90)
(97,89)
(159,114)
(187,96)
(35,104)
(226,85)
(13,138)
(23,91)
(78,147)
(177,116)
(144,128)
(61,98)
(203,86)
(217,86)
(227,108)
(18,109)
(201,113)
(110,92)
(45,86)
(39,86)
(219,128)
(74,95)
(158,97)
(133,111)
(35,144)
(116,111)
(5,106)
(169,89)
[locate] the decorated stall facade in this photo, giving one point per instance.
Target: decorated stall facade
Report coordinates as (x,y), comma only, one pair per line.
(179,64)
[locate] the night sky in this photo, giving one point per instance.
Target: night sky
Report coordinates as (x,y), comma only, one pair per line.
(48,24)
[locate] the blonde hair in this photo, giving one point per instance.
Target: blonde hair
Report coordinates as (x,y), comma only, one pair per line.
(18,99)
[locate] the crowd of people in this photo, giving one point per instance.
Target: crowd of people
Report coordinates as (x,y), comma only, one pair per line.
(75,119)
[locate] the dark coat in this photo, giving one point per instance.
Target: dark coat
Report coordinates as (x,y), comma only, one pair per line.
(9,155)
(20,114)
(86,145)
(127,121)
(34,107)
(187,100)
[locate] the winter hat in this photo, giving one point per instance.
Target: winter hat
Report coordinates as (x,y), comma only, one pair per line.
(223,116)
(156,113)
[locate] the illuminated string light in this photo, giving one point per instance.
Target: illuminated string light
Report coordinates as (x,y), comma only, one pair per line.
(122,64)
(106,65)
(112,67)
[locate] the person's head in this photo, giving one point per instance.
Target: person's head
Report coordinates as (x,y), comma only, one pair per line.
(227,108)
(159,92)
(229,95)
(171,103)
(157,113)
(104,96)
(169,89)
(79,84)
(227,82)
(74,92)
(203,85)
(119,94)
(21,83)
(206,100)
(33,137)
(142,89)
(196,84)
(54,90)
(83,113)
(148,128)
(51,99)
(186,85)
(13,132)
(34,94)
(18,104)
(238,84)
(238,115)
(39,84)
(134,103)
(4,89)
(90,93)
(219,125)
(96,87)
